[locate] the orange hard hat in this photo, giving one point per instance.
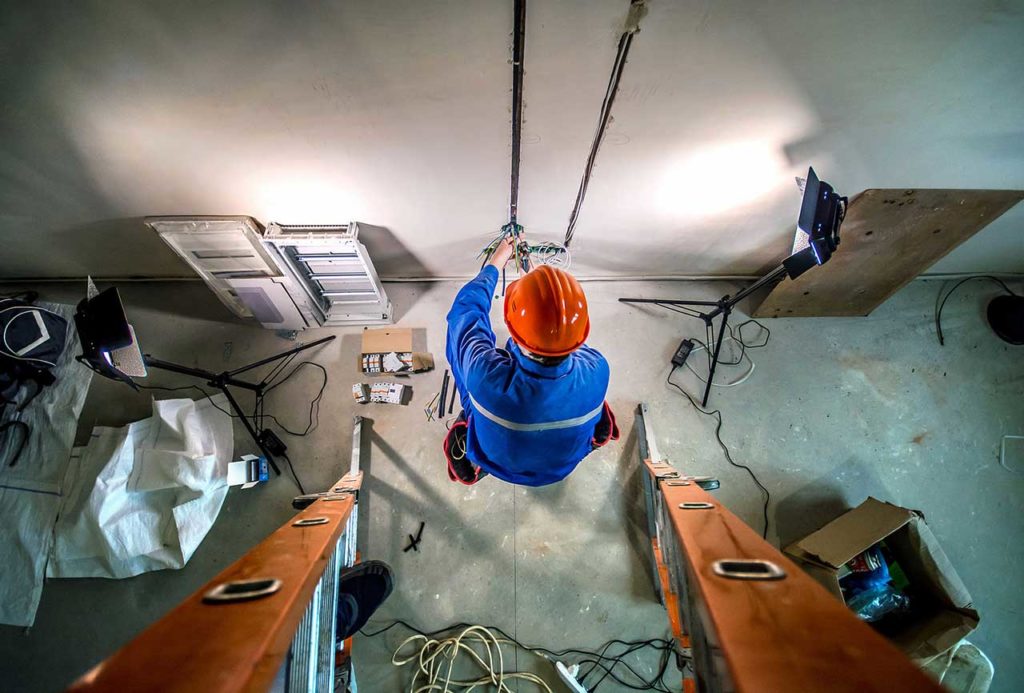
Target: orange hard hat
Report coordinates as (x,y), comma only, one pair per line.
(546,312)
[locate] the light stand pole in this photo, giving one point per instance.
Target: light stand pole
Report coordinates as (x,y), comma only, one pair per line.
(723,307)
(222,381)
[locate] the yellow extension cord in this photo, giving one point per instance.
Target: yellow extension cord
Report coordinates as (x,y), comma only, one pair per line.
(435,662)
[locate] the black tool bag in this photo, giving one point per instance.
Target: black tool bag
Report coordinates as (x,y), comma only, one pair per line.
(31,342)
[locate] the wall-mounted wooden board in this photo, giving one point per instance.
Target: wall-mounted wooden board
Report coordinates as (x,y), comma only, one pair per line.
(888,238)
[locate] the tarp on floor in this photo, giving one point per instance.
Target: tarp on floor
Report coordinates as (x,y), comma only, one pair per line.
(30,491)
(142,497)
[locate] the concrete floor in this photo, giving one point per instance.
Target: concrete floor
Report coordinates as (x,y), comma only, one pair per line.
(838,409)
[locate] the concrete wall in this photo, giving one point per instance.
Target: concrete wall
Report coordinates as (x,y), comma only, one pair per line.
(395,112)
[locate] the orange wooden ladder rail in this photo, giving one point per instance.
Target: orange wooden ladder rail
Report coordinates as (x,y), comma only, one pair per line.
(740,624)
(227,646)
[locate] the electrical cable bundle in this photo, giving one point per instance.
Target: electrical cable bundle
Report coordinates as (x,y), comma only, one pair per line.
(508,231)
(435,655)
(543,253)
(735,337)
(637,10)
(548,252)
(436,659)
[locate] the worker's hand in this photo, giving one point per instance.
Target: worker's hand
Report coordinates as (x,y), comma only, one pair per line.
(502,254)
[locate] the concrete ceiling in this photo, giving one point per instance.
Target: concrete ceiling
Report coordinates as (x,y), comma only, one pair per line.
(395,112)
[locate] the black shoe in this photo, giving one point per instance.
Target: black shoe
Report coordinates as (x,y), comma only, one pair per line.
(361,591)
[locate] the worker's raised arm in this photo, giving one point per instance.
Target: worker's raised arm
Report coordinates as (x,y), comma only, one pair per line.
(469,322)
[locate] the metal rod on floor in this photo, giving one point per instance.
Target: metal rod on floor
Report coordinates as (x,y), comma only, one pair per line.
(444,394)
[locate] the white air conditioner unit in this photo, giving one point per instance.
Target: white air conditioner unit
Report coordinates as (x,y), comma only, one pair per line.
(286,277)
(330,265)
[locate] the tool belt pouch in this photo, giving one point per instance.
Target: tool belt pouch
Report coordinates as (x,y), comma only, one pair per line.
(606,429)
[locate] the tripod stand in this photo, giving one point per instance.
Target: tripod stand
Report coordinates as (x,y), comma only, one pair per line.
(222,381)
(723,307)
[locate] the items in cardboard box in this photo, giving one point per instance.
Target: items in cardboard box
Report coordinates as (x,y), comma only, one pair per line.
(868,588)
(937,611)
(391,362)
(390,350)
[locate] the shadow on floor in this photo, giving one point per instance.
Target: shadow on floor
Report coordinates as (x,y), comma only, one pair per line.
(824,499)
(634,511)
(476,541)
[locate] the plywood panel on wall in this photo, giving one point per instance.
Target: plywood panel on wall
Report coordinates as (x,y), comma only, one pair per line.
(889,237)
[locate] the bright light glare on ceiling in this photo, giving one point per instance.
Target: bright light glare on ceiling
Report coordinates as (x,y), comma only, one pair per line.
(305,199)
(722,176)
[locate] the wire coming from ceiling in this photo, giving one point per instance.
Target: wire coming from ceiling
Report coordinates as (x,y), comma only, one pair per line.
(518,52)
(552,253)
(637,10)
(548,252)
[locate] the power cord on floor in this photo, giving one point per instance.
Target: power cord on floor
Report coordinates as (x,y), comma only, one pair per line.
(939,305)
(602,664)
(717,414)
(314,405)
(296,476)
(735,336)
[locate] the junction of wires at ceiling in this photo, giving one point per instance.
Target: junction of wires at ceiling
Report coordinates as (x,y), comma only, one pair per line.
(528,254)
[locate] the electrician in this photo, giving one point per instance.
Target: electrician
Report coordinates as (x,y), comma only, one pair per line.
(533,410)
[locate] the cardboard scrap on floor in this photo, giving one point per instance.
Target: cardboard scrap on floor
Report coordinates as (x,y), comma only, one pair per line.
(391,350)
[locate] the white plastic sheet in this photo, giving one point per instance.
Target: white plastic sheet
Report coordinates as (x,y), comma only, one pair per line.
(143,497)
(30,491)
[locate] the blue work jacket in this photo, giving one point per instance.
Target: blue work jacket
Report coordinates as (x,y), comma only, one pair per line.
(528,423)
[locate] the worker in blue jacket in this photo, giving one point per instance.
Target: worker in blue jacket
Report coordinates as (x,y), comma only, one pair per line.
(532,410)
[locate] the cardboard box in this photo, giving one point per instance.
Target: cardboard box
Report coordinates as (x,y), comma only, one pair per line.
(391,350)
(941,609)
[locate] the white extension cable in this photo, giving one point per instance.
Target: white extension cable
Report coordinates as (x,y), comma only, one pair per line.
(739,381)
(435,662)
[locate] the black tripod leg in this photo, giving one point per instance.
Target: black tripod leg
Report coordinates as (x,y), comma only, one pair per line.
(248,426)
(714,360)
(283,354)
